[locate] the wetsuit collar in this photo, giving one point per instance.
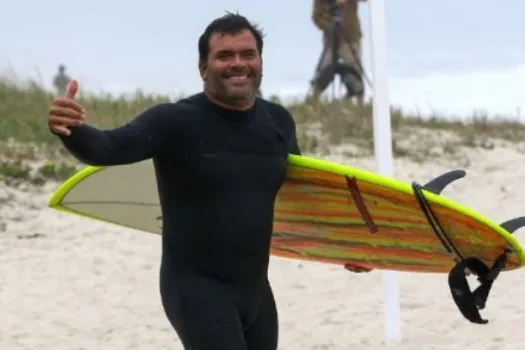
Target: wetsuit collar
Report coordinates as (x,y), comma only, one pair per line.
(230,114)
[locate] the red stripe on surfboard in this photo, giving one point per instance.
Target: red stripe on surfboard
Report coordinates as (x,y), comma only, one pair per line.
(360,203)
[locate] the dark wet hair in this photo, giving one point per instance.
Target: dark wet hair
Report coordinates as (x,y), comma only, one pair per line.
(230,23)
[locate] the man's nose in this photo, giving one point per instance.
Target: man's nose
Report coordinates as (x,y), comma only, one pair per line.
(237,61)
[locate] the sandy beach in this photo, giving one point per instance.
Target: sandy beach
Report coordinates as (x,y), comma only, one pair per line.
(71,283)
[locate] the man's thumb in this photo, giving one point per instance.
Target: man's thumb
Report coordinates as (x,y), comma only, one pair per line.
(72,89)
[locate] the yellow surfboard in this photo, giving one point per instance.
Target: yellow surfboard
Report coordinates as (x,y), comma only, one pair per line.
(332,213)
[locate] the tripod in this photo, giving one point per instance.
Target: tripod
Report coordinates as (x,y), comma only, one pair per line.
(351,77)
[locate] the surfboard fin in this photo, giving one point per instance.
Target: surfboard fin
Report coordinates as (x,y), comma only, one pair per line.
(468,302)
(438,184)
(513,225)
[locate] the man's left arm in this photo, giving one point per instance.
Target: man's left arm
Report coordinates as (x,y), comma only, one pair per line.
(294,149)
(285,122)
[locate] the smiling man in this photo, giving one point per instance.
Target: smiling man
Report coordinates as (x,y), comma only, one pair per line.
(220,158)
(230,64)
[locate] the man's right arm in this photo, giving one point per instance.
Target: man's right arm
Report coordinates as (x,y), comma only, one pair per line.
(142,138)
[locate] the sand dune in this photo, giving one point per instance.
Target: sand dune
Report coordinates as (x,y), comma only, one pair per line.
(71,283)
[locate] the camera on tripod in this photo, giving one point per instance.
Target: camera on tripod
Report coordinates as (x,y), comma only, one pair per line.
(350,75)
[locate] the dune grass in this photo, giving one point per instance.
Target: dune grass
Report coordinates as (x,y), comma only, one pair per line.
(24,134)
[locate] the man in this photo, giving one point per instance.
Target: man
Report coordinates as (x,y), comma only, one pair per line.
(61,80)
(348,48)
(220,158)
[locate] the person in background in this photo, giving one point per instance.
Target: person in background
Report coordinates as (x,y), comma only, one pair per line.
(349,48)
(61,80)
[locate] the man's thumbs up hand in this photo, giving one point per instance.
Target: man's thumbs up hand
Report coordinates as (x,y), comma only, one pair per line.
(72,89)
(65,112)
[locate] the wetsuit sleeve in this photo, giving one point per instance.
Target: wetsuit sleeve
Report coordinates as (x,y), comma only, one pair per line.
(295,149)
(285,122)
(291,131)
(142,138)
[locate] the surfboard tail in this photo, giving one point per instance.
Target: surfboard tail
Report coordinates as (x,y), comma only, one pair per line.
(468,302)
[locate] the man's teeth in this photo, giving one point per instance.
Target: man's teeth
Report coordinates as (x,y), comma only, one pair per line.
(242,77)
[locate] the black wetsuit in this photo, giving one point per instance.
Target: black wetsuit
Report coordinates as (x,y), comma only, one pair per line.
(218,172)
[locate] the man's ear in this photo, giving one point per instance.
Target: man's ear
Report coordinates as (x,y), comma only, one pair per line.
(203,70)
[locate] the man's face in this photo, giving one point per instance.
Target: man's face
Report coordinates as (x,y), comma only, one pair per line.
(233,69)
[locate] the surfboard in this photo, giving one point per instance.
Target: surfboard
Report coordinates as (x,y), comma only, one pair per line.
(332,213)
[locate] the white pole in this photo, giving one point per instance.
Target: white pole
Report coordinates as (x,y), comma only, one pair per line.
(383,147)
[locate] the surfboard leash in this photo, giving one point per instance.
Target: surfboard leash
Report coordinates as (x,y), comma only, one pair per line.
(435,224)
(467,301)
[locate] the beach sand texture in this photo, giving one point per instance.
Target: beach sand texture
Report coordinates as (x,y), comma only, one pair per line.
(72,283)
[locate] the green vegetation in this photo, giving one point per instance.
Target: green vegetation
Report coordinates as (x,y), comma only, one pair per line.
(25,138)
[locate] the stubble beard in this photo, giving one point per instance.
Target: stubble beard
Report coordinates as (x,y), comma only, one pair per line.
(233,94)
